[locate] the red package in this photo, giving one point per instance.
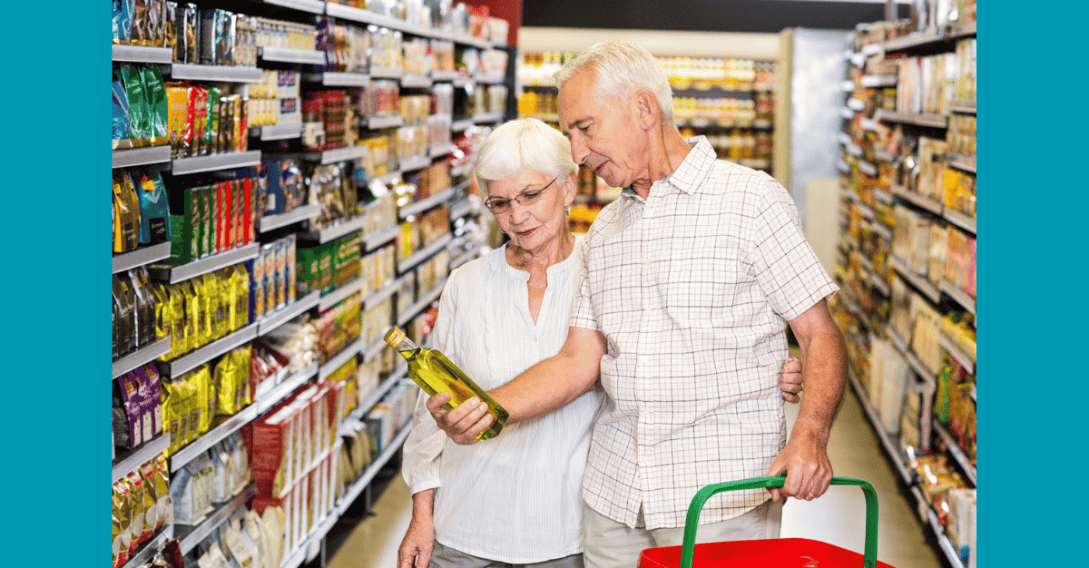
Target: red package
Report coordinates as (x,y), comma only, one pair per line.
(198,108)
(247,213)
(272,451)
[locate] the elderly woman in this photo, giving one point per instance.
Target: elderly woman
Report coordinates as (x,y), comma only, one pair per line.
(515,499)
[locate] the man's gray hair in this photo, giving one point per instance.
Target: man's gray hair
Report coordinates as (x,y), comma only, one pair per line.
(622,68)
(520,145)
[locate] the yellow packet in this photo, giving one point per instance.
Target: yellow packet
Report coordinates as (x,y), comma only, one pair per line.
(122,511)
(143,528)
(164,323)
(170,414)
(202,381)
(243,298)
(242,356)
(154,495)
(179,321)
(194,314)
(228,399)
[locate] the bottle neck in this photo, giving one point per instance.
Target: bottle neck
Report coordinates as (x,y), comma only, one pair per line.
(406,345)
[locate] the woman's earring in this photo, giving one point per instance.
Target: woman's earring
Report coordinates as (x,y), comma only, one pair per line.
(568,210)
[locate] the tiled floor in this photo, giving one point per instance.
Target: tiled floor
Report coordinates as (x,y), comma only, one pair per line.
(837,517)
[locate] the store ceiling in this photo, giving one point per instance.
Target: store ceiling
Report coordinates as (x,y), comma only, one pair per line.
(764,16)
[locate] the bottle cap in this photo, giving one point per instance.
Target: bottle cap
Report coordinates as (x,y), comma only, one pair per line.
(395,336)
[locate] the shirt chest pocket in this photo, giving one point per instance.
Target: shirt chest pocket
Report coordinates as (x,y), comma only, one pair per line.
(701,279)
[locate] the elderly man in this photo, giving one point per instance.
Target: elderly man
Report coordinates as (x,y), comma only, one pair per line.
(689,281)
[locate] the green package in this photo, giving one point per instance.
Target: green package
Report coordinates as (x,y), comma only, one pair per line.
(157,110)
(206,233)
(139,126)
(211,128)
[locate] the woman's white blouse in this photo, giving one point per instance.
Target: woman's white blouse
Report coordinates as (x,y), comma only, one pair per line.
(514,498)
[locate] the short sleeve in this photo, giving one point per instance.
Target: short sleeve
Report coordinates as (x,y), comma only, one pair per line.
(582,309)
(786,268)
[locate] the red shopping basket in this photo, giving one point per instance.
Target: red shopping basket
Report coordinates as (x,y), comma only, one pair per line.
(779,553)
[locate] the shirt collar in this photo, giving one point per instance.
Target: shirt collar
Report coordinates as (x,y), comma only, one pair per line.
(693,170)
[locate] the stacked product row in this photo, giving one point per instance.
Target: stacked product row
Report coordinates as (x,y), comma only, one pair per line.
(908,267)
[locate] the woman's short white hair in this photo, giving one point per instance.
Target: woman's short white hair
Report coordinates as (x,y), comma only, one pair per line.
(622,68)
(520,145)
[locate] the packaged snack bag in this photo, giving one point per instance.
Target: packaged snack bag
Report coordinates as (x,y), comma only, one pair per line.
(154,211)
(122,135)
(157,110)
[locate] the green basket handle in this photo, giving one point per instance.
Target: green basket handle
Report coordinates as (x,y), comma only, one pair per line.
(689,543)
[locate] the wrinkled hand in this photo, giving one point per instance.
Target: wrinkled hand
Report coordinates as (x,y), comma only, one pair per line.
(417,545)
(807,467)
(790,380)
(463,423)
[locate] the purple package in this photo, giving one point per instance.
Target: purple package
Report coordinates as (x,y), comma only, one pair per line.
(130,398)
(153,405)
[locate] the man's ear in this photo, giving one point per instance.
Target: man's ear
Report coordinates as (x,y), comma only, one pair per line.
(648,114)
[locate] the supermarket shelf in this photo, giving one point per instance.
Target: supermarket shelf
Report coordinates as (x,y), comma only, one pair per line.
(142,54)
(930,120)
(957,453)
(930,204)
(847,85)
(421,304)
(288,55)
(387,72)
(961,220)
(462,82)
(962,106)
(215,162)
(286,387)
(460,125)
(389,177)
(847,113)
(415,82)
(869,124)
(882,196)
(140,257)
(464,257)
(943,541)
(423,254)
(277,132)
(440,150)
(916,40)
(141,357)
(175,274)
(921,284)
(377,122)
(379,462)
(307,550)
(190,537)
(144,556)
(322,236)
(913,360)
(414,163)
(489,79)
(270,222)
(880,284)
(350,351)
(843,167)
(887,157)
(857,105)
(134,459)
(463,208)
(879,81)
(380,295)
(960,162)
(958,295)
(141,156)
(224,73)
(338,79)
(337,155)
(853,149)
(425,204)
(336,296)
(274,320)
(464,169)
(755,164)
(867,168)
(967,361)
(375,349)
(381,237)
(488,117)
(891,448)
(375,396)
(444,75)
(311,6)
(546,117)
(212,437)
(208,352)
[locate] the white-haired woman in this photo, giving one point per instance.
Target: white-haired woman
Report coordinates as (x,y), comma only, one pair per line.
(513,501)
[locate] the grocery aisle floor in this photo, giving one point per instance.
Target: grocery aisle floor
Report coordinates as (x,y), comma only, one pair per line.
(838,517)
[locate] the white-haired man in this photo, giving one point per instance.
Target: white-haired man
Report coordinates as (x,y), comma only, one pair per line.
(689,282)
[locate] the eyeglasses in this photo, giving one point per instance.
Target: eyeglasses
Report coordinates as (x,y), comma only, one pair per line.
(499,205)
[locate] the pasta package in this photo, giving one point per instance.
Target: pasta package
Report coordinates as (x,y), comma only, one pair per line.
(122,520)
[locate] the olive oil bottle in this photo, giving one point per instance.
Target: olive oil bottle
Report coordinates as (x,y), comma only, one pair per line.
(430,369)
